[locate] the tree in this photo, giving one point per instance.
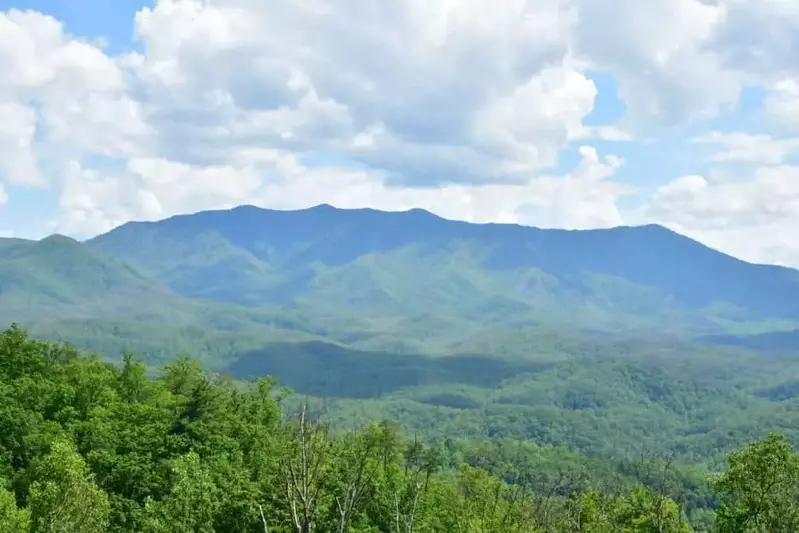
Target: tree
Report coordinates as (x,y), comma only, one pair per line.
(12,519)
(304,469)
(20,355)
(359,460)
(645,511)
(191,504)
(63,497)
(639,511)
(420,465)
(760,489)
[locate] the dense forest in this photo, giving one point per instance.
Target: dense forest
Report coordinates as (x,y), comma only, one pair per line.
(90,446)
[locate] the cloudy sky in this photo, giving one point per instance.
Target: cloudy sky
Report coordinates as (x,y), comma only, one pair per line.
(554,113)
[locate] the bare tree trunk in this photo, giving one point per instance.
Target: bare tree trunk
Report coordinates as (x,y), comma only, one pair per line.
(304,473)
(263,519)
(367,455)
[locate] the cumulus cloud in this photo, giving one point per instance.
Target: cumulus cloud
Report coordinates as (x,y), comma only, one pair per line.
(782,104)
(444,91)
(17,129)
(753,218)
(150,189)
(758,37)
(662,54)
(62,94)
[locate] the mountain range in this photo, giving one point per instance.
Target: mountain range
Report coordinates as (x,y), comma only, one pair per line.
(395,281)
(601,340)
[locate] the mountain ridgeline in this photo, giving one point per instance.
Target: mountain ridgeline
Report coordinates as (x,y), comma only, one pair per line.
(396,261)
(385,280)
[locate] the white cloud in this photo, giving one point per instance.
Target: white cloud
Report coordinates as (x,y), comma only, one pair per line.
(680,60)
(3,195)
(758,37)
(662,55)
(755,218)
(782,104)
(148,189)
(445,91)
(154,188)
(422,94)
(752,148)
(67,91)
(529,134)
(17,130)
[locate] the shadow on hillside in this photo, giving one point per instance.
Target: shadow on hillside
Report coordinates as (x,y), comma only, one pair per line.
(782,392)
(776,341)
(323,369)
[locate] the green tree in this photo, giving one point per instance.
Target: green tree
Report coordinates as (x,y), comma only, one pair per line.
(192,503)
(12,519)
(760,489)
(644,511)
(63,497)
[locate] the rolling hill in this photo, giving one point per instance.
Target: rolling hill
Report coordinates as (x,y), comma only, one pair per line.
(61,273)
(62,289)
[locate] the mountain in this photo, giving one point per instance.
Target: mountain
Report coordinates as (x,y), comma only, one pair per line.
(60,272)
(219,284)
(415,273)
(601,340)
(62,289)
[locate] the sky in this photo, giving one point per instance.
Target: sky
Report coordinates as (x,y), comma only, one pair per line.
(551,113)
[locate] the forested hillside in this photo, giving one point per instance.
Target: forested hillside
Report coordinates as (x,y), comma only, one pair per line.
(402,282)
(222,283)
(607,342)
(535,380)
(398,269)
(88,446)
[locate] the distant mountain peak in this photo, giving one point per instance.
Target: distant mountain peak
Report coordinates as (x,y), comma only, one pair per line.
(324,207)
(416,214)
(57,238)
(655,228)
(331,208)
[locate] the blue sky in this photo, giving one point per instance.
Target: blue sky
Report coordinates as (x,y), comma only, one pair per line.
(554,113)
(110,21)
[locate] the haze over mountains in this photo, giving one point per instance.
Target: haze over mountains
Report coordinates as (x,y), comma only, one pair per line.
(396,281)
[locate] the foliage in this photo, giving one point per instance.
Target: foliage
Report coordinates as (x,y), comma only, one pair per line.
(63,498)
(91,446)
(12,519)
(760,489)
(571,339)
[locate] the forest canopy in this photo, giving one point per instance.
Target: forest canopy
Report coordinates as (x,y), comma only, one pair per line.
(88,445)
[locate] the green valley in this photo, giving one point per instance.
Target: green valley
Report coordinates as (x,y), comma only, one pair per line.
(91,446)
